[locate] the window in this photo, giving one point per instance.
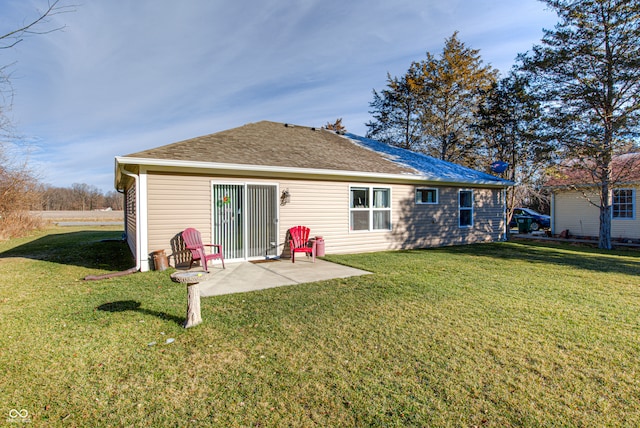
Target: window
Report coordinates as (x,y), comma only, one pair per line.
(381,209)
(370,208)
(359,211)
(131,201)
(465,208)
(623,206)
(426,196)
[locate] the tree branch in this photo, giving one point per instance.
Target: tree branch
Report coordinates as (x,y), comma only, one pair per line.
(14,37)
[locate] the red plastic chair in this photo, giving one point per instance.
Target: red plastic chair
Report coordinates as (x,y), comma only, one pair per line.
(193,241)
(299,242)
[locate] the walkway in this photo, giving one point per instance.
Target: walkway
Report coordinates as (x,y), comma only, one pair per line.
(252,276)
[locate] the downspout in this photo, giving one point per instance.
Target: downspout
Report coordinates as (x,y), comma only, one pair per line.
(505,227)
(138,255)
(553,213)
(138,258)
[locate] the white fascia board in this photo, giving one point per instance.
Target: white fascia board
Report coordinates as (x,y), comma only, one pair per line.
(575,187)
(308,172)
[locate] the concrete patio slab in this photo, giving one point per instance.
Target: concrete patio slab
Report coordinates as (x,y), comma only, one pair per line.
(246,276)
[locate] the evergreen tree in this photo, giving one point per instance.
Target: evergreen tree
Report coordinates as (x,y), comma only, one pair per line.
(395,112)
(509,128)
(431,108)
(587,71)
(337,126)
(450,90)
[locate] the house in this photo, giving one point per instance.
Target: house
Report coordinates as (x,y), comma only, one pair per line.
(245,187)
(575,200)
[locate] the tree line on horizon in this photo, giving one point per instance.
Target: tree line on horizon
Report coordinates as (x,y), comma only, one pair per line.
(78,197)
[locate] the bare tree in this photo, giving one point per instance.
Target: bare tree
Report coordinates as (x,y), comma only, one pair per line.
(9,39)
(35,25)
(114,200)
(18,184)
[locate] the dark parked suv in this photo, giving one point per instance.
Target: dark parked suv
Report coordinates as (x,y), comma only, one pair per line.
(538,221)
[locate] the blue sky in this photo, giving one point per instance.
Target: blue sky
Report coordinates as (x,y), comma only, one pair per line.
(124,76)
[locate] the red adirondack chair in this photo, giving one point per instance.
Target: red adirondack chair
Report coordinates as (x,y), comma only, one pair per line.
(299,242)
(193,241)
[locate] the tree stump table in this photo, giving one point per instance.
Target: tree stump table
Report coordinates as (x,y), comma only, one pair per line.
(192,279)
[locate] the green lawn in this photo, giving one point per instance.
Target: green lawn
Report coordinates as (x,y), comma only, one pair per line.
(505,334)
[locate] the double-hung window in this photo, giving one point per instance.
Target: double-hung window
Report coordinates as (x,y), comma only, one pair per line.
(426,196)
(623,204)
(465,208)
(370,208)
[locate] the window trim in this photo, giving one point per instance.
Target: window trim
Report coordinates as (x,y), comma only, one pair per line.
(370,209)
(633,203)
(437,196)
(461,208)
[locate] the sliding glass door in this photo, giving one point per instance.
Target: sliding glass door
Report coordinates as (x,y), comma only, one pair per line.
(245,220)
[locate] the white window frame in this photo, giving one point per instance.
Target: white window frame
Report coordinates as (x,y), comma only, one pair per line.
(633,203)
(461,208)
(420,202)
(370,208)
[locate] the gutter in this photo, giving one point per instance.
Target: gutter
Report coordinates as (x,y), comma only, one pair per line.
(505,230)
(137,267)
(138,231)
(553,213)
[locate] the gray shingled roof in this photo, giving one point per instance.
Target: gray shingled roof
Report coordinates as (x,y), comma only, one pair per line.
(276,144)
(272,144)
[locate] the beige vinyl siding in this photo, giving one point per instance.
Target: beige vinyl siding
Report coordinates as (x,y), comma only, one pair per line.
(572,211)
(324,208)
(430,225)
(176,202)
(321,206)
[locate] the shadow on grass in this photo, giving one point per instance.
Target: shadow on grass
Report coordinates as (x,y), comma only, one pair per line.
(618,261)
(96,249)
(132,305)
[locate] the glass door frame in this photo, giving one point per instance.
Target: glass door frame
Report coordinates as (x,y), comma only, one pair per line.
(244,212)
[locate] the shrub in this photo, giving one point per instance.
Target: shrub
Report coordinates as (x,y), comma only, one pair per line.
(18,223)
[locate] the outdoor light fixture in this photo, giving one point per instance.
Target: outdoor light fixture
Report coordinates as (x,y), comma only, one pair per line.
(285,197)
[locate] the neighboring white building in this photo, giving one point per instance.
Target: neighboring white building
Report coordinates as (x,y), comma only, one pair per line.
(572,191)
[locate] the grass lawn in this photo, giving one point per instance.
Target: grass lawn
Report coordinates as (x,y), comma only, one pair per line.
(505,334)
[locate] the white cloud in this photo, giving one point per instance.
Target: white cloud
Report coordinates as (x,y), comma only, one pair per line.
(124,76)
